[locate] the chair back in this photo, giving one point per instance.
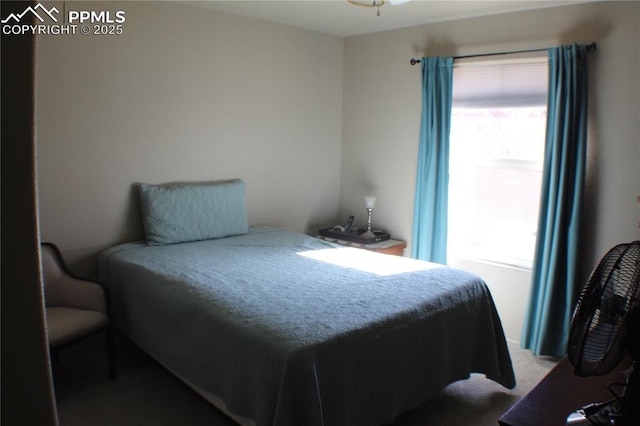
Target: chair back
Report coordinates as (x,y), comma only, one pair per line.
(52,274)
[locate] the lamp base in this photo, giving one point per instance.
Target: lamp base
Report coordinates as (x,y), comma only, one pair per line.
(368,234)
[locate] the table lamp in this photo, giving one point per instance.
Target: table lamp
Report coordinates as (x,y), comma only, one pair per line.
(370,203)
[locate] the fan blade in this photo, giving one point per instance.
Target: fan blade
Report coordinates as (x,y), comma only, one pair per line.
(397,2)
(603,323)
(598,342)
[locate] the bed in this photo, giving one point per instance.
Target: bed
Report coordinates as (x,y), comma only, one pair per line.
(280,328)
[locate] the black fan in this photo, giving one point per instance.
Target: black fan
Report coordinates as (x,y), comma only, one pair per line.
(605,327)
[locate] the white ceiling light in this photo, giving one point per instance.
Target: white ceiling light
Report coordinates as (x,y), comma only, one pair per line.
(376,3)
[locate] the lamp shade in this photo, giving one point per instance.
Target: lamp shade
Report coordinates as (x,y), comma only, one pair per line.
(370,201)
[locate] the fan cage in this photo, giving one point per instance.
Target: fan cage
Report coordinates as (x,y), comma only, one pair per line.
(598,334)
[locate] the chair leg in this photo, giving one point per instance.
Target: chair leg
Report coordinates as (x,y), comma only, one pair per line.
(111,354)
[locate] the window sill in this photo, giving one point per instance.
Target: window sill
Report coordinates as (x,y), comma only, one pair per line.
(506,264)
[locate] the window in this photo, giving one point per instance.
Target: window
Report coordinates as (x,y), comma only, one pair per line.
(495,166)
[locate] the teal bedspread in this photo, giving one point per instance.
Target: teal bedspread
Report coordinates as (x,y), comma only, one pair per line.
(291,330)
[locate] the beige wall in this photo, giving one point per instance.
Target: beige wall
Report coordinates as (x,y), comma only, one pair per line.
(382,108)
(191,94)
(382,104)
(184,94)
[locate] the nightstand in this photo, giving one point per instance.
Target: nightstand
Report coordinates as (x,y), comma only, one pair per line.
(393,247)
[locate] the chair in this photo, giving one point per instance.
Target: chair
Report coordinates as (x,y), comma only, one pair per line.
(75,308)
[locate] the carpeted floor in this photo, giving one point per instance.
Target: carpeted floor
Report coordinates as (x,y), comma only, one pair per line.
(149,395)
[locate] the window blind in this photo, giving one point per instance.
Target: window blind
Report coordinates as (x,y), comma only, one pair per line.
(508,80)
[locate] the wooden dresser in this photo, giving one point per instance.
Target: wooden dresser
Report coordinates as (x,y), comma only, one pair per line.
(559,394)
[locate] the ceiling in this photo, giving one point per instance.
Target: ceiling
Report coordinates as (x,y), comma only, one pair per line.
(338,17)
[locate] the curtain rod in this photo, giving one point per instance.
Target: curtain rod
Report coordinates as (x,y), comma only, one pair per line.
(590,48)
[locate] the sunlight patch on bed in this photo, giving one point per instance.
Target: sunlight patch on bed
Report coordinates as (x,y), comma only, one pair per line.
(366,261)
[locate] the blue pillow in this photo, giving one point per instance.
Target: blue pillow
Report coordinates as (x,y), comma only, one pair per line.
(176,213)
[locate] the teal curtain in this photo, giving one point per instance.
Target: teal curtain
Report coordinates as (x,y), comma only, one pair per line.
(555,284)
(431,194)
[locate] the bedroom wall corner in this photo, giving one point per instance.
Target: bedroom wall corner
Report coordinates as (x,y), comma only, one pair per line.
(383,102)
(183,94)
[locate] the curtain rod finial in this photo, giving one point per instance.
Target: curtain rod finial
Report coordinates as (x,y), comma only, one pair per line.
(414,61)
